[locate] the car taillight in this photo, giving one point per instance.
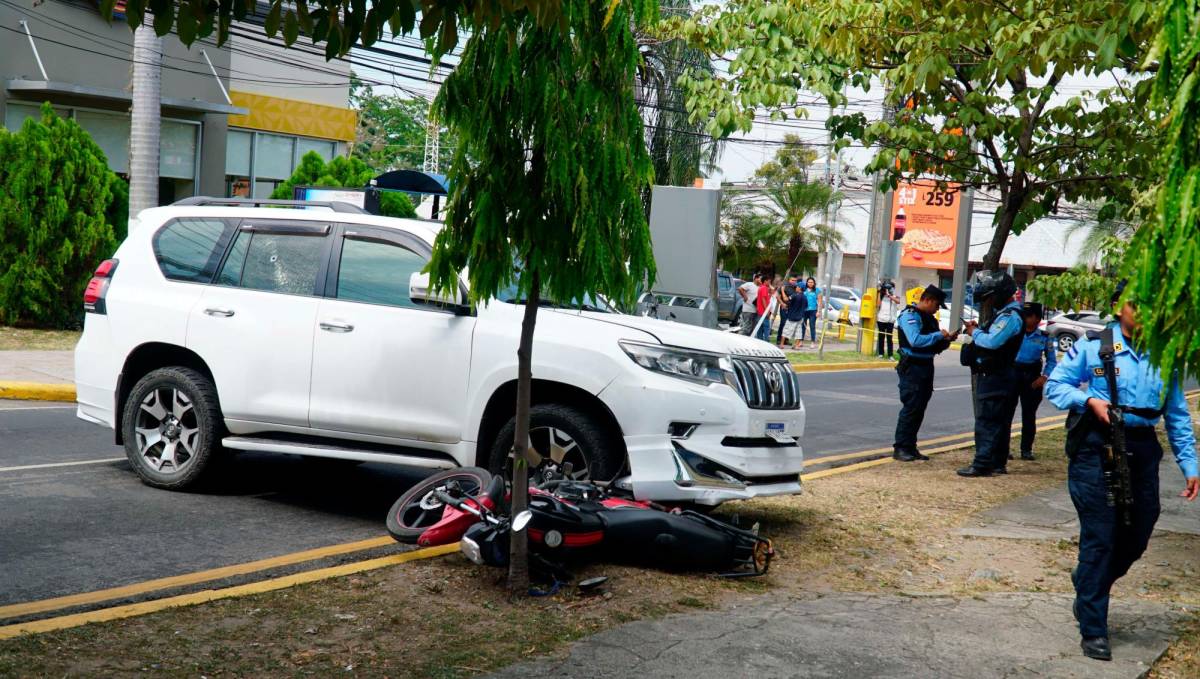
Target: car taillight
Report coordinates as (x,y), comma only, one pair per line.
(93,295)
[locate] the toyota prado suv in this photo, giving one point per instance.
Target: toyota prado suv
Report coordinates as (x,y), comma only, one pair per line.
(310,329)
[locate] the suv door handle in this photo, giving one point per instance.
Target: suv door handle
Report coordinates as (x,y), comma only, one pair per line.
(219,312)
(336,326)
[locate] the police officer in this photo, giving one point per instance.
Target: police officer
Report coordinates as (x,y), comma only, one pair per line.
(920,340)
(992,357)
(1032,373)
(1107,546)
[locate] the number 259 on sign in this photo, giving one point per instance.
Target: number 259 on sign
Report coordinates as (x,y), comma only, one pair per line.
(939,198)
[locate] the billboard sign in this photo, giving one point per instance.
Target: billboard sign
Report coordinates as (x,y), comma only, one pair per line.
(924,219)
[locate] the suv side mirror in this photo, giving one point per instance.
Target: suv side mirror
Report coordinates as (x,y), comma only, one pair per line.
(420,293)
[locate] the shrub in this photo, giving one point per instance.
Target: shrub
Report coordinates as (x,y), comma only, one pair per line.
(343,173)
(56,198)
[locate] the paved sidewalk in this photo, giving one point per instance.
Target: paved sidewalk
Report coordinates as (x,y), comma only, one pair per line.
(47,367)
(865,635)
(1049,514)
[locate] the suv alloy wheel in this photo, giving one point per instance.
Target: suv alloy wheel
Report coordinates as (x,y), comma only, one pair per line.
(171,424)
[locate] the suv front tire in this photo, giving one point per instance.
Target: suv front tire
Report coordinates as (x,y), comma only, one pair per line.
(560,434)
(171,424)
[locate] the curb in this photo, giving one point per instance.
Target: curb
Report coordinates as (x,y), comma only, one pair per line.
(37,391)
(834,367)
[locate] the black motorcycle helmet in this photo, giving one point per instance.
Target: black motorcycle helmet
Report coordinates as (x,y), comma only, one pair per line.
(995,285)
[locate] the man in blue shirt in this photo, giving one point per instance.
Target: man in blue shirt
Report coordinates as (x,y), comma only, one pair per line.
(920,340)
(1107,546)
(992,357)
(1032,373)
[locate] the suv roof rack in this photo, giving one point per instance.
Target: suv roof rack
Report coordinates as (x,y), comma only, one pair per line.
(336,206)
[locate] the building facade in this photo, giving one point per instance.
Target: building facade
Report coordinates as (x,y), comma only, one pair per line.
(281,102)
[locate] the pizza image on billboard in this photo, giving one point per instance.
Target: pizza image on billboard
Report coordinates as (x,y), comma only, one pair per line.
(927,240)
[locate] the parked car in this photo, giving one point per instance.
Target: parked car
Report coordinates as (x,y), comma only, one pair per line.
(944,321)
(218,326)
(729,304)
(833,312)
(1066,328)
(845,294)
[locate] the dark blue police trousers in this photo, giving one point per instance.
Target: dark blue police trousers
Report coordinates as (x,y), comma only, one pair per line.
(1107,547)
(916,388)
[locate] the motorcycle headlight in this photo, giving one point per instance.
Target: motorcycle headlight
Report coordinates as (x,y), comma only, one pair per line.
(701,367)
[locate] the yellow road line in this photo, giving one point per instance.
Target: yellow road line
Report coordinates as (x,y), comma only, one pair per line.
(97,596)
(132,610)
(37,391)
(940,439)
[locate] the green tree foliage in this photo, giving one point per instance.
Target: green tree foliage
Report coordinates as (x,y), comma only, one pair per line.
(990,68)
(55,193)
(548,173)
(340,24)
(750,239)
(391,130)
(679,145)
(342,172)
(1077,289)
(1163,260)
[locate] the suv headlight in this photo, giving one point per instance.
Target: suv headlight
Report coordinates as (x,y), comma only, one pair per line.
(700,367)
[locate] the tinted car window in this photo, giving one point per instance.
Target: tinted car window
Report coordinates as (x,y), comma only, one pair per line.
(274,262)
(376,272)
(190,249)
(723,283)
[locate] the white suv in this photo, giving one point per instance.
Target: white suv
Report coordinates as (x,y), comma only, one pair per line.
(312,331)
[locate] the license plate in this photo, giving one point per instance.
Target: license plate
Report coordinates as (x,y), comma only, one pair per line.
(778,431)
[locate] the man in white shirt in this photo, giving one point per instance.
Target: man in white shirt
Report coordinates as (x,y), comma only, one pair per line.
(885,318)
(748,291)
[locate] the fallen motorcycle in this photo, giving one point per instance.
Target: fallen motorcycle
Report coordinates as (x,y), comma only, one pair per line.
(573,520)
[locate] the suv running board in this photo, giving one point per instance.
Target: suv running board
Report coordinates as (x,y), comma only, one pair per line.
(266,445)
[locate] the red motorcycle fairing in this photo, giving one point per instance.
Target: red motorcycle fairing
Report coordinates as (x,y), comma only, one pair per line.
(453,524)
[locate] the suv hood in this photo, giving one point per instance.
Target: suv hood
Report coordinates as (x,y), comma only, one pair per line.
(689,336)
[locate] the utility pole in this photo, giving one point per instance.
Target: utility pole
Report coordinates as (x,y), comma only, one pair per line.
(881,213)
(145,118)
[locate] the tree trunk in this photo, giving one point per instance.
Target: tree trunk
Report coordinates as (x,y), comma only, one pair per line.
(518,550)
(144,119)
(1008,215)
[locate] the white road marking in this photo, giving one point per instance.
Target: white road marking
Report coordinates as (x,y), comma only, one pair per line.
(957,386)
(60,464)
(4,408)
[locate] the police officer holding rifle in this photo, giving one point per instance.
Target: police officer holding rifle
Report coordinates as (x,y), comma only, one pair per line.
(1114,457)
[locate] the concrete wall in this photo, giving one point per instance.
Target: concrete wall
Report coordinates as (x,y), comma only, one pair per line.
(277,71)
(78,46)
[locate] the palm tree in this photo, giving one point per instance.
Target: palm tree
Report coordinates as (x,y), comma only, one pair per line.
(1103,235)
(793,204)
(680,148)
(144,120)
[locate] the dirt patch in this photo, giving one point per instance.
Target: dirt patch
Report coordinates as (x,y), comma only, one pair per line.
(25,339)
(891,528)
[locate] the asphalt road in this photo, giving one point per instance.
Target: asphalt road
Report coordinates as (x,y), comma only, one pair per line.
(70,528)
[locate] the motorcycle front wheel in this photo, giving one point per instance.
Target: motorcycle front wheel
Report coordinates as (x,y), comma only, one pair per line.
(419,507)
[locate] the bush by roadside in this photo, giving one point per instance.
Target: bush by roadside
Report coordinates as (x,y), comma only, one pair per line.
(58,200)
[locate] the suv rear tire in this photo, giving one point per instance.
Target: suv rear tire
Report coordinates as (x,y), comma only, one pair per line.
(1065,341)
(557,428)
(171,424)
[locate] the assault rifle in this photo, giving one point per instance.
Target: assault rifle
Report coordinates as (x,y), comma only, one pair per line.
(1118,486)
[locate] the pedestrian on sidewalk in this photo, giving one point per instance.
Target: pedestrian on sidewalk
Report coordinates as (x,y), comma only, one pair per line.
(764,308)
(992,357)
(748,291)
(885,318)
(796,308)
(920,340)
(812,299)
(1032,373)
(785,291)
(1112,538)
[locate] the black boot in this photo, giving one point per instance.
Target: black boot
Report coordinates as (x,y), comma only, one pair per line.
(973,471)
(918,455)
(1096,648)
(903,456)
(1027,455)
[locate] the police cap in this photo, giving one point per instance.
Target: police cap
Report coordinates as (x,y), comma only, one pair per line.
(1032,309)
(935,293)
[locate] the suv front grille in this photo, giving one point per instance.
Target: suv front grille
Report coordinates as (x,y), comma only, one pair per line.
(767,385)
